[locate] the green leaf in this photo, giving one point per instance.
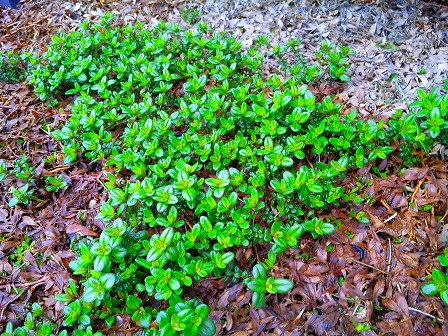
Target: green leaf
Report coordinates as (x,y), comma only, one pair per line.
(315,188)
(359,157)
(268,144)
(228,257)
(344,78)
(174,284)
(108,280)
(167,235)
(328,228)
(13,202)
(213,182)
(287,162)
(203,268)
(207,327)
(153,255)
(257,285)
(258,299)
(281,286)
(93,290)
(429,288)
(143,262)
(101,263)
(145,320)
(205,224)
(132,302)
(434,132)
(259,272)
(438,277)
(280,246)
(443,260)
(172,253)
(189,195)
(201,310)
(63,297)
(163,294)
(444,296)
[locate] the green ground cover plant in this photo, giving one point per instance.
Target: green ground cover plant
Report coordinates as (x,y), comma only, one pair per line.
(205,154)
(438,285)
(14,66)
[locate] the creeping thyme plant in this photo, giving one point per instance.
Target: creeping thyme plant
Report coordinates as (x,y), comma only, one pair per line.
(205,154)
(12,67)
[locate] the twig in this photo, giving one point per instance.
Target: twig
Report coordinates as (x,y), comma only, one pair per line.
(6,106)
(391,217)
(371,266)
(416,189)
(426,314)
(24,285)
(59,168)
(47,132)
(300,313)
(389,259)
(383,202)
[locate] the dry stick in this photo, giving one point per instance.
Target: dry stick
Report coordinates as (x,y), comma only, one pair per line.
(28,284)
(391,217)
(389,261)
(383,202)
(371,266)
(47,132)
(426,314)
(417,187)
(300,313)
(59,168)
(6,106)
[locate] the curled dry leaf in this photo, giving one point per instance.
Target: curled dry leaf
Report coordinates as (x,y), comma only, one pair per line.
(81,230)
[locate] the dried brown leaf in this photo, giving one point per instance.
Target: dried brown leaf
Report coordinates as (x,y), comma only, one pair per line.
(81,230)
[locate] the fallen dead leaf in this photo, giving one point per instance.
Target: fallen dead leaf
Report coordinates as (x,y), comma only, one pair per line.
(81,230)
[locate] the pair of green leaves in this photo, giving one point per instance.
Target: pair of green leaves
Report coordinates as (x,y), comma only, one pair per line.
(261,285)
(185,318)
(439,283)
(219,183)
(138,313)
